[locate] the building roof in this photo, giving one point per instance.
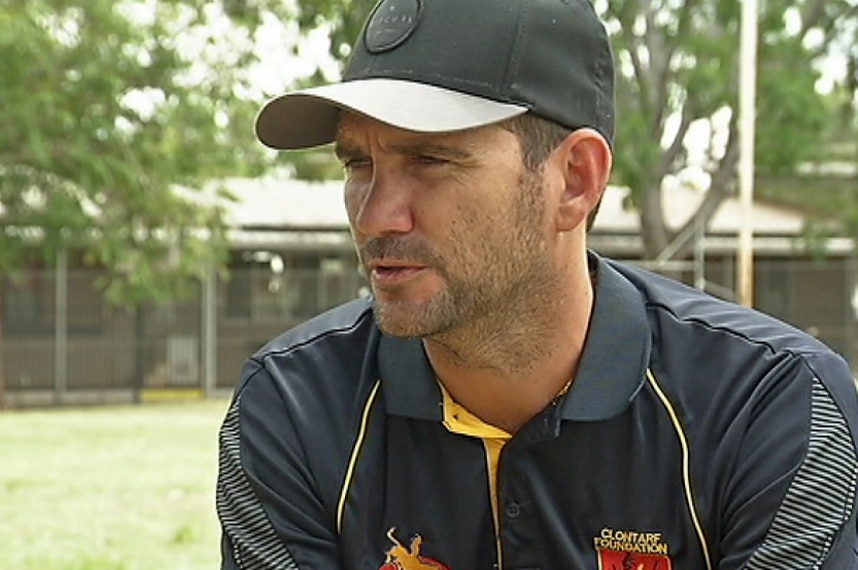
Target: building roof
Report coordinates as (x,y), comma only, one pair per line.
(680,203)
(285,204)
(298,204)
(267,207)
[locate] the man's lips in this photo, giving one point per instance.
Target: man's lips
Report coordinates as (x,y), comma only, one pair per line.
(390,272)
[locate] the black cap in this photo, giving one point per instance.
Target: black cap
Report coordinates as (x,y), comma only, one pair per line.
(447,65)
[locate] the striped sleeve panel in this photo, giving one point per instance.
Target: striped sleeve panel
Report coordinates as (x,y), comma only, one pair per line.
(820,499)
(255,544)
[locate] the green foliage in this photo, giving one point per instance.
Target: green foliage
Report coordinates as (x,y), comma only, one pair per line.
(678,64)
(345,17)
(683,58)
(106,106)
(793,121)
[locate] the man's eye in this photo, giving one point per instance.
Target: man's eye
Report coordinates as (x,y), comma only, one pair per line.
(429,160)
(356,163)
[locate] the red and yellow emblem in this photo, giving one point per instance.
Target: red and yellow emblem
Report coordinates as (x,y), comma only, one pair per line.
(398,557)
(631,550)
(613,560)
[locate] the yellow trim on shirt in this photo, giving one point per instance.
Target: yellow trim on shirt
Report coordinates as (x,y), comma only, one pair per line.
(457,419)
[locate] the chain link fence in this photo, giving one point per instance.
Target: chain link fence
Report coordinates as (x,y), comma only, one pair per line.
(90,351)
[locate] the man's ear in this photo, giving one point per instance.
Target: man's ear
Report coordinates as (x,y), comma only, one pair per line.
(585,160)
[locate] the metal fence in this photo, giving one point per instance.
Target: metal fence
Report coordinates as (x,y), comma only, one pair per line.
(86,351)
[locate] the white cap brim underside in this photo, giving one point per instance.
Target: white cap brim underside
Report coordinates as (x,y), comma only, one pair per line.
(309,117)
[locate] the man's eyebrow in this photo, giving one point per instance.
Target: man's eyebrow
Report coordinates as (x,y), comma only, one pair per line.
(433,149)
(345,149)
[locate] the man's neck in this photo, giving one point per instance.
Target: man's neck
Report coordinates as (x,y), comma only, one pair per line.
(506,379)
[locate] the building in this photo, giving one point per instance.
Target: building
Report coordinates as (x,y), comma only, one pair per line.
(292,257)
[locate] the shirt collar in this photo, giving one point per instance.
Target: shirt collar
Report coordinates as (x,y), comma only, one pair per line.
(612,368)
(616,352)
(408,381)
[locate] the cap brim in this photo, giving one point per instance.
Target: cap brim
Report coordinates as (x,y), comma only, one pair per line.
(309,117)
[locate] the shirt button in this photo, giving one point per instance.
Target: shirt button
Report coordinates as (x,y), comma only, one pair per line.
(512,510)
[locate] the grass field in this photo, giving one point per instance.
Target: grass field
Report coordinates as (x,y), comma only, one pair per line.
(118,488)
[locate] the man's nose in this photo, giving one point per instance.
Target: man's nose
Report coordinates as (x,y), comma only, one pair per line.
(384,205)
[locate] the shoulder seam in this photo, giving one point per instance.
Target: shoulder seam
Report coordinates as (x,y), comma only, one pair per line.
(737,334)
(259,357)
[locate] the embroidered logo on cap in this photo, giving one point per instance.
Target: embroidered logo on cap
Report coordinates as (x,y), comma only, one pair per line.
(391,23)
(631,550)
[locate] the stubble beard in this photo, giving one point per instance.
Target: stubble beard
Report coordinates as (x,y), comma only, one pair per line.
(489,307)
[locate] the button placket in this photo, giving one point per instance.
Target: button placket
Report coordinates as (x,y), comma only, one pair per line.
(512,510)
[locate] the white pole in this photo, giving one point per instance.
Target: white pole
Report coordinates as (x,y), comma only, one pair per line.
(747,117)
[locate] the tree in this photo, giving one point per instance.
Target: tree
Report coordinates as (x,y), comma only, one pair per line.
(677,92)
(679,70)
(107,106)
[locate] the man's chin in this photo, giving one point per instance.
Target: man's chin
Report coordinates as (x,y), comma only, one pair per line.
(404,320)
(399,327)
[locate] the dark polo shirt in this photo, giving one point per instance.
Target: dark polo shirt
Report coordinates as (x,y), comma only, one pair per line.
(697,435)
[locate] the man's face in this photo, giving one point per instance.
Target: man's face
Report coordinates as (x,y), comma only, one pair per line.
(450,228)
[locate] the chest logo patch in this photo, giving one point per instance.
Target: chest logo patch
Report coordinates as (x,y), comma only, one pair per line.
(398,557)
(631,550)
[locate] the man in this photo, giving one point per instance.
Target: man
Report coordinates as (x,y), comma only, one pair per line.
(508,399)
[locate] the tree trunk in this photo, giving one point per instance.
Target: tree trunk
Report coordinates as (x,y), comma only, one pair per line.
(654,232)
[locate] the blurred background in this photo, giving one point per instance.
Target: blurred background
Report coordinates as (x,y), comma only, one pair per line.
(148,243)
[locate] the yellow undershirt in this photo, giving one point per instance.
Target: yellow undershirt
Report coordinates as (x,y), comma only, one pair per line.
(459,420)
